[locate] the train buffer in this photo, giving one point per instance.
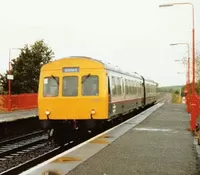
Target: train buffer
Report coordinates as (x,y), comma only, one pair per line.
(154,142)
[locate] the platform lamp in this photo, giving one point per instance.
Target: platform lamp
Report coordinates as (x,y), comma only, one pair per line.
(10,77)
(188,91)
(194,99)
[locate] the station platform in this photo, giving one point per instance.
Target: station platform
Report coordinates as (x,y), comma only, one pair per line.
(18,115)
(154,142)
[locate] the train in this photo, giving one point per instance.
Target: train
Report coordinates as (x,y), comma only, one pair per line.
(78,93)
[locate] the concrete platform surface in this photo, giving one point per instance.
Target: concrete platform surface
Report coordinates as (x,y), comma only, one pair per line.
(154,142)
(18,115)
(160,144)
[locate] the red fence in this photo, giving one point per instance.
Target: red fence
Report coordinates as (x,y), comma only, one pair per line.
(18,102)
(193,108)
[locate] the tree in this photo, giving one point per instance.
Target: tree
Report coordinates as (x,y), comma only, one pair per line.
(197,85)
(176,92)
(26,68)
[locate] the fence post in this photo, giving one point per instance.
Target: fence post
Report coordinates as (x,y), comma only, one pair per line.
(9,102)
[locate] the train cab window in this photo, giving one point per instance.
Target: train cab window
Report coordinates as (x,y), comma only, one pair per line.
(90,85)
(70,86)
(51,86)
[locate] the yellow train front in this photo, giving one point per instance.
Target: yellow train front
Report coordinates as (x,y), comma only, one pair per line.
(72,91)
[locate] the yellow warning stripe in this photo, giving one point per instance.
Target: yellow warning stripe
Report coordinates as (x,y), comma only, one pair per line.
(66,159)
(99,141)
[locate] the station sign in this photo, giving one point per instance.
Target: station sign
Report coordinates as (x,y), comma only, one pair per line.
(10,77)
(70,69)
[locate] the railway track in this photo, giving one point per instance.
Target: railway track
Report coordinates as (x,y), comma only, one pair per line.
(165,99)
(20,138)
(54,150)
(14,148)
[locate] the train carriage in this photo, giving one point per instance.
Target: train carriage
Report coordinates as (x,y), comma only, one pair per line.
(86,92)
(151,91)
(126,92)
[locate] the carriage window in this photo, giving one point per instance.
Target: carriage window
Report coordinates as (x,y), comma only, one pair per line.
(119,90)
(129,87)
(123,86)
(90,85)
(70,86)
(126,86)
(132,86)
(114,87)
(51,86)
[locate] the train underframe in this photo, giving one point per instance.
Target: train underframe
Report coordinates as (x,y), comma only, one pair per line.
(63,131)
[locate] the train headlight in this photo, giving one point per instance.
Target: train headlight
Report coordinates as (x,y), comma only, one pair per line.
(47,112)
(93,112)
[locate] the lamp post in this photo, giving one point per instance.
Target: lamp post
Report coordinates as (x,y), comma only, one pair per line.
(10,77)
(187,75)
(193,104)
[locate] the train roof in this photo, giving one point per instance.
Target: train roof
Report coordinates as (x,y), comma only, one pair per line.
(111,67)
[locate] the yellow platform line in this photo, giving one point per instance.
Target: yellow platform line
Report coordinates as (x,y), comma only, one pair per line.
(66,159)
(99,141)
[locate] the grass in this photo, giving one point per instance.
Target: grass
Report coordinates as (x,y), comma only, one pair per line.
(176,98)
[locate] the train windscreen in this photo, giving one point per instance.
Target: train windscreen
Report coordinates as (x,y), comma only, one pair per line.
(70,86)
(51,86)
(90,85)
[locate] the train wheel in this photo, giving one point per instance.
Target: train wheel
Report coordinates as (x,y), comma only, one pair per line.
(82,135)
(58,137)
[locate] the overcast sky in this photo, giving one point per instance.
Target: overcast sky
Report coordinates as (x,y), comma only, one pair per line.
(134,35)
